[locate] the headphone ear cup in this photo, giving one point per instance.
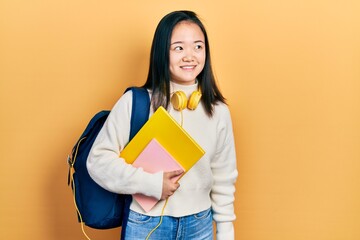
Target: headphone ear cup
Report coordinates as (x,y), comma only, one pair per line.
(194,100)
(179,100)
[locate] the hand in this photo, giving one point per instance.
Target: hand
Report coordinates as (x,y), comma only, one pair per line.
(169,187)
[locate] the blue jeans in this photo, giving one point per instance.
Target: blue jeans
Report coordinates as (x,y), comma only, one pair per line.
(197,226)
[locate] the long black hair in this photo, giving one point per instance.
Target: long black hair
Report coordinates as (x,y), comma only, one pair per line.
(158,79)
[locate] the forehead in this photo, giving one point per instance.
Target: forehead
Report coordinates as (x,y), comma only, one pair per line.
(187,31)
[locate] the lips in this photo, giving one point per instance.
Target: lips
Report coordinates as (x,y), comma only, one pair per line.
(188,67)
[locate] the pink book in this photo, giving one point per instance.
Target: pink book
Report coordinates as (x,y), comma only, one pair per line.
(152,159)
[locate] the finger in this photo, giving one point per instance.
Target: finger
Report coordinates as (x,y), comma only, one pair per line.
(175,173)
(172,193)
(176,186)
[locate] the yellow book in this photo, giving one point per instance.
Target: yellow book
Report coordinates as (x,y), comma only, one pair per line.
(170,135)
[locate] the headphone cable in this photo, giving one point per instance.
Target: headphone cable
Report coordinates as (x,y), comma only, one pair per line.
(158,225)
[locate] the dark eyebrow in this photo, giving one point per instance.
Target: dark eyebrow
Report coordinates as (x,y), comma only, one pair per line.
(181,42)
(178,42)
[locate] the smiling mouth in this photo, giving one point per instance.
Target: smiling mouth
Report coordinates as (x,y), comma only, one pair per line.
(188,67)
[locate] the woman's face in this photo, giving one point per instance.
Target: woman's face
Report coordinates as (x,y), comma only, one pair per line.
(187,53)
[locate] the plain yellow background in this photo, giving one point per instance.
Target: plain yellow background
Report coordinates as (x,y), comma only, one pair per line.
(290,70)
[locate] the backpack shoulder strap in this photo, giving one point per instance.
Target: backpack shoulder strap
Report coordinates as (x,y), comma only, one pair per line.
(140,109)
(139,115)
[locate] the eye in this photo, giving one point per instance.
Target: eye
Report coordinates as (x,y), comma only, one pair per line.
(198,47)
(178,48)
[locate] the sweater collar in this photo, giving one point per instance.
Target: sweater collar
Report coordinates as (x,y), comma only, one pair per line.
(187,89)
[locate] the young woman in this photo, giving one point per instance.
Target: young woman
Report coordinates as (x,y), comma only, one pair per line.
(179,61)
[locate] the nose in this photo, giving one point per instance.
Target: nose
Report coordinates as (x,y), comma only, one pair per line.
(188,57)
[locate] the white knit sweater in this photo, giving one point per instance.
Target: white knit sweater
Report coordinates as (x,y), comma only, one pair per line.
(210,183)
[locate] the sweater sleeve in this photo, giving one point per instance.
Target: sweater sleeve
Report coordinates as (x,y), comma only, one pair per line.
(105,166)
(224,174)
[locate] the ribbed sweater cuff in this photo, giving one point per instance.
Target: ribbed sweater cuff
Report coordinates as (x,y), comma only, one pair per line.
(225,231)
(152,185)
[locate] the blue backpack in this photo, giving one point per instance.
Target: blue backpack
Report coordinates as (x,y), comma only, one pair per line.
(96,207)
